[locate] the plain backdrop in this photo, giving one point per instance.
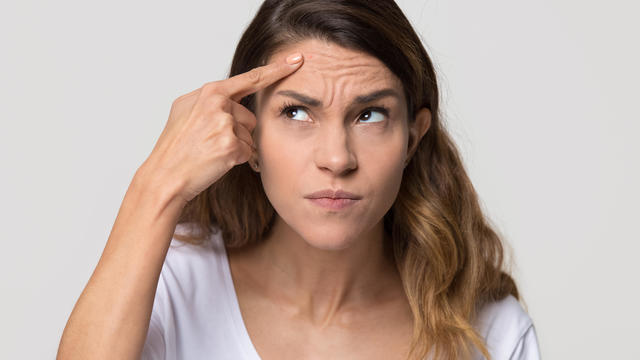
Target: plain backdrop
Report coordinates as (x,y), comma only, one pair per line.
(541,97)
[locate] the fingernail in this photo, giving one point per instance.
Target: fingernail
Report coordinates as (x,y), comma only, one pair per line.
(294,58)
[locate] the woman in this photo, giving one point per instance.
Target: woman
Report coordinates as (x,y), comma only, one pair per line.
(310,206)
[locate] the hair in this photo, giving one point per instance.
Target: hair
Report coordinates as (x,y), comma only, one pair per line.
(450,259)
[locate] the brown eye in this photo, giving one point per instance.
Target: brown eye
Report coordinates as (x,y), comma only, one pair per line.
(378,115)
(292,112)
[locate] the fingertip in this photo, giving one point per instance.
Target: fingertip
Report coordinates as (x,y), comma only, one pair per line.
(294,59)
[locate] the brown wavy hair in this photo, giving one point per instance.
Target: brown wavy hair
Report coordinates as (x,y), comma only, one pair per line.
(449,257)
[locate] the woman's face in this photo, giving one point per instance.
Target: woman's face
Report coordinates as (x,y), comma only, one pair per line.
(330,140)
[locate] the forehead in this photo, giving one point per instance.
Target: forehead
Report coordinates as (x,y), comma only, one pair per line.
(330,70)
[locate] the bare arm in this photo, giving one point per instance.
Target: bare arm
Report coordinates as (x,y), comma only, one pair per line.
(111,318)
(208,133)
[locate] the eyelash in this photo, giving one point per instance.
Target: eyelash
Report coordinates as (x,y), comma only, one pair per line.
(288,106)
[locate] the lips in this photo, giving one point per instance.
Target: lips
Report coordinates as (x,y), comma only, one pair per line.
(333,199)
(333,194)
(334,204)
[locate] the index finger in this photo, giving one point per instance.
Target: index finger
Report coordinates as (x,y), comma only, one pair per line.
(241,85)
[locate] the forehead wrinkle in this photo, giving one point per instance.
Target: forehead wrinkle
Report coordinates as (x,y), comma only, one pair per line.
(328,98)
(330,71)
(369,71)
(333,89)
(350,80)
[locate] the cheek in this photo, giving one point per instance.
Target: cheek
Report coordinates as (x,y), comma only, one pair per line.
(384,166)
(282,161)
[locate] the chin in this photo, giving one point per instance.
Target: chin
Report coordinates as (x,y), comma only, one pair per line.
(327,238)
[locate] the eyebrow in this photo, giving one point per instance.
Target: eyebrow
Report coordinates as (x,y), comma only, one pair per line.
(362,99)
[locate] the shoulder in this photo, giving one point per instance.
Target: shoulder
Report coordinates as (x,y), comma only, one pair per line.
(508,330)
(187,265)
(192,275)
(193,281)
(503,316)
(183,254)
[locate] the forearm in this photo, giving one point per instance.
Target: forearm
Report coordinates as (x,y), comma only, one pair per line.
(111,317)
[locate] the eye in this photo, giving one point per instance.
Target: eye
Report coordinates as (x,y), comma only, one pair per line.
(371,114)
(292,111)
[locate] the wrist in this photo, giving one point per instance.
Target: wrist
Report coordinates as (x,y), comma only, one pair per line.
(162,188)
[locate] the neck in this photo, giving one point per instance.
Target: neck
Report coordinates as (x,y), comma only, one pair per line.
(320,284)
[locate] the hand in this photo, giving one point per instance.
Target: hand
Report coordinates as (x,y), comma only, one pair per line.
(209,131)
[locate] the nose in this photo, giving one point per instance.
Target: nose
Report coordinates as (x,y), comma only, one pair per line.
(334,152)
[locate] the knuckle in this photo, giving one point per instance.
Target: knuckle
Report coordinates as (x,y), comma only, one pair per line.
(226,121)
(230,145)
(209,88)
(227,143)
(216,102)
(253,122)
(255,75)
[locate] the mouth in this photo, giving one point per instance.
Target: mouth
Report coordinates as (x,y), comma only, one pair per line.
(333,199)
(333,194)
(333,204)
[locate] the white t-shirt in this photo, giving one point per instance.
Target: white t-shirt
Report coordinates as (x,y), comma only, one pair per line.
(196,313)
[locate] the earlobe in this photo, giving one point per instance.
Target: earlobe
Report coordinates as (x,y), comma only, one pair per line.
(254,164)
(417,130)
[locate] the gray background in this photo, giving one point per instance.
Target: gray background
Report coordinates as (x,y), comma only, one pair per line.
(539,96)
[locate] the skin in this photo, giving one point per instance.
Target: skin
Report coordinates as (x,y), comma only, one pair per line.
(207,133)
(319,269)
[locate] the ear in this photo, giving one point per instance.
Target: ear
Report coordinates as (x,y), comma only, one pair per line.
(253,162)
(417,130)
